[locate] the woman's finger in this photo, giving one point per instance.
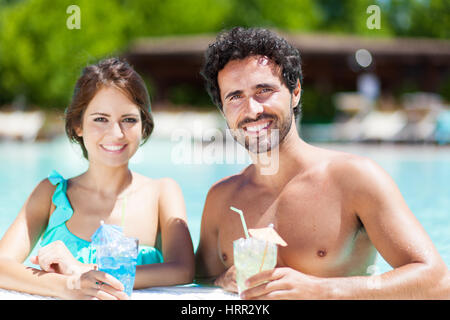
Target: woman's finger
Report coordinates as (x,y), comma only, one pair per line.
(107,289)
(92,287)
(98,293)
(101,276)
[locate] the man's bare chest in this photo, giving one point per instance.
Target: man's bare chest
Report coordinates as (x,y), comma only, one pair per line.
(321,232)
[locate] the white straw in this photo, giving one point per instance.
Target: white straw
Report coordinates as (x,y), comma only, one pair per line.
(244,225)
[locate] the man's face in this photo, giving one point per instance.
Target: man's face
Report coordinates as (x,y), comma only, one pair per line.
(257,105)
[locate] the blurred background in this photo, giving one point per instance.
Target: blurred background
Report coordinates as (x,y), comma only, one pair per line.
(376,83)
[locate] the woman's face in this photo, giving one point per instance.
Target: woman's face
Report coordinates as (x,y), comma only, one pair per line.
(111,128)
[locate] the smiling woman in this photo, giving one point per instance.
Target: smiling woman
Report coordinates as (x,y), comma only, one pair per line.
(112,126)
(108,74)
(109,117)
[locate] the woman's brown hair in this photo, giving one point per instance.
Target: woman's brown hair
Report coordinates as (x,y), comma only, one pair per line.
(112,72)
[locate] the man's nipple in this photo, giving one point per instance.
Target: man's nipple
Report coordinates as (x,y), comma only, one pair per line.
(322,253)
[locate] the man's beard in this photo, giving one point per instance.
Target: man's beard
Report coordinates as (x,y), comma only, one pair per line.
(270,138)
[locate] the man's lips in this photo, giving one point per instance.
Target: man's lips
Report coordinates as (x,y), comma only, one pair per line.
(113,148)
(257,126)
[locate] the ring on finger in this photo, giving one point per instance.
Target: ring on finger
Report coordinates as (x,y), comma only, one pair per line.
(99,285)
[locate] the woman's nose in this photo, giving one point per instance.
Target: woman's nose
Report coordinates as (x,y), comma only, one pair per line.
(117,130)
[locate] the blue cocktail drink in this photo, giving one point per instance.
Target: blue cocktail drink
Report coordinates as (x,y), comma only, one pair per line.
(122,268)
(116,254)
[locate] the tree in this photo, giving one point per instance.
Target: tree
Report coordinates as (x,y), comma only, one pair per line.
(40,58)
(283,14)
(419,18)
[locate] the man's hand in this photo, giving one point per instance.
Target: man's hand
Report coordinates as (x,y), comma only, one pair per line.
(282,283)
(227,280)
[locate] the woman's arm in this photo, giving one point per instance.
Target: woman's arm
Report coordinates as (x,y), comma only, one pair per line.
(20,239)
(177,248)
(22,236)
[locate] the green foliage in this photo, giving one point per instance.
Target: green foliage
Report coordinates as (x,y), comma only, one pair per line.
(349,16)
(419,18)
(40,58)
(283,14)
(158,18)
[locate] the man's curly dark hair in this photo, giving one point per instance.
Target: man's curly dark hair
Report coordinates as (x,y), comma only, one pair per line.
(239,43)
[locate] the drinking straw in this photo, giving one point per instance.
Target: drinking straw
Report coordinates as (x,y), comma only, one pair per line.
(242,220)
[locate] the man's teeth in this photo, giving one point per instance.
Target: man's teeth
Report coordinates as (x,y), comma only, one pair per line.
(113,148)
(257,127)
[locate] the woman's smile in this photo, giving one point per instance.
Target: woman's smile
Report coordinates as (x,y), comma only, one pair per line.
(113,148)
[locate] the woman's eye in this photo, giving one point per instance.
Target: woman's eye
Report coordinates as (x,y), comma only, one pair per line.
(236,96)
(100,119)
(130,120)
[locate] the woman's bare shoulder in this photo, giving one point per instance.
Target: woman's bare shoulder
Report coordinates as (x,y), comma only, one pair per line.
(43,191)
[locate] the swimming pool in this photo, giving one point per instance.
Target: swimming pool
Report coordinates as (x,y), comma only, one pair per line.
(421,172)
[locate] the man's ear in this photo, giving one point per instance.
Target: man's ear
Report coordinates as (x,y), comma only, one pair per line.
(296,94)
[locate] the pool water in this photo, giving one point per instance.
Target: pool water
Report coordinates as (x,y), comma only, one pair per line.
(422,173)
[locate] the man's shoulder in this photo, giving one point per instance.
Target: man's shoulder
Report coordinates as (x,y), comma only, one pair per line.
(352,170)
(226,186)
(344,161)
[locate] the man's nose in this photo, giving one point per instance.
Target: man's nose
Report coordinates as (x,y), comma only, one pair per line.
(254,108)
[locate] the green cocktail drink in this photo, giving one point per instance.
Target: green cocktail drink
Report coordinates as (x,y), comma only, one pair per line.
(252,256)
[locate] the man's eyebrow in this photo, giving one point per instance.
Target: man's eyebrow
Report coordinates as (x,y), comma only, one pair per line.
(265,85)
(232,93)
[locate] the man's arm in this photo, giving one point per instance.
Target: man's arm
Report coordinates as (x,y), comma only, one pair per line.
(396,234)
(419,272)
(207,261)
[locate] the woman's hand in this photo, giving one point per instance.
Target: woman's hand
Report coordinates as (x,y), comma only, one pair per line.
(94,285)
(55,257)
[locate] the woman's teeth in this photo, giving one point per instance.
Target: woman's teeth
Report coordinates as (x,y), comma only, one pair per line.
(113,148)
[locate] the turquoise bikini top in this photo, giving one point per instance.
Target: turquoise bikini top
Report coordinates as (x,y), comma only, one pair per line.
(81,249)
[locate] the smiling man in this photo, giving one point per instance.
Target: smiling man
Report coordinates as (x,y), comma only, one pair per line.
(334,210)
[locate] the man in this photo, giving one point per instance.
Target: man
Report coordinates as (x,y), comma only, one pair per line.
(334,210)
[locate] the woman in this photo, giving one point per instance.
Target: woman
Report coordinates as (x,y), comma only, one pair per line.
(110,118)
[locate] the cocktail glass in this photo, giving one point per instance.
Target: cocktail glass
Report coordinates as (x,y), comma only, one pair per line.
(252,256)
